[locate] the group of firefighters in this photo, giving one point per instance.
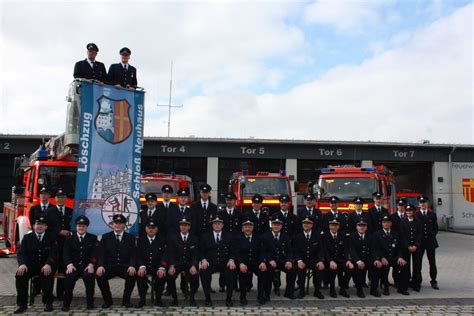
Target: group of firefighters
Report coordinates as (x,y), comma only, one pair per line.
(199,240)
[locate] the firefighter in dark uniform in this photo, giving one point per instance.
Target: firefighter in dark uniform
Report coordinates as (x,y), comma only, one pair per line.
(37,256)
(80,255)
(278,255)
(334,214)
(166,207)
(336,250)
(117,258)
(357,215)
(151,261)
(410,231)
(232,224)
(39,210)
(389,252)
(204,210)
(183,254)
(123,74)
(361,254)
(310,211)
(151,211)
(248,259)
(376,213)
(290,227)
(290,221)
(258,217)
(429,230)
(59,223)
(176,214)
(217,256)
(90,68)
(230,215)
(309,255)
(399,215)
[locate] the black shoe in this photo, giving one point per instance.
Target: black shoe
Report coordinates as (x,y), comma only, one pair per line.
(60,297)
(140,304)
(127,305)
(91,306)
(404,292)
(167,293)
(213,291)
(107,305)
(65,308)
(208,302)
(174,302)
(344,293)
(276,291)
(416,288)
(229,303)
(20,310)
(375,293)
(360,293)
(243,301)
(158,303)
(301,294)
(291,296)
(222,289)
(48,308)
(435,286)
(237,289)
(192,302)
(386,291)
(318,294)
(365,285)
(261,301)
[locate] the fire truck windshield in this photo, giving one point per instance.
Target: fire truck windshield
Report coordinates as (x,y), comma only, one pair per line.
(55,177)
(348,188)
(266,186)
(154,186)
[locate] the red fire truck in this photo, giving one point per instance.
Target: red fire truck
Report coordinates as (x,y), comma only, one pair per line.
(347,182)
(42,168)
(152,183)
(268,185)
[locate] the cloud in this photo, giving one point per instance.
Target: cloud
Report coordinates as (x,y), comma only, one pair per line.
(349,15)
(419,90)
(418,85)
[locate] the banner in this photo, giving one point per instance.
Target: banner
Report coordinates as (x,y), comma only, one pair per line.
(463,194)
(109,156)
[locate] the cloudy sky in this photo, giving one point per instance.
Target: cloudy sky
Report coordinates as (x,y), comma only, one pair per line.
(322,70)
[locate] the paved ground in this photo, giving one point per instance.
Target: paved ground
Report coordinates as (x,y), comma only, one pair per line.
(456,295)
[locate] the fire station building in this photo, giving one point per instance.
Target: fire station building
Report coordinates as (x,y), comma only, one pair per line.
(435,170)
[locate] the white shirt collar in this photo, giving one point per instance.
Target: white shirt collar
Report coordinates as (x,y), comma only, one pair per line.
(182,236)
(307,233)
(215,234)
(79,235)
(124,65)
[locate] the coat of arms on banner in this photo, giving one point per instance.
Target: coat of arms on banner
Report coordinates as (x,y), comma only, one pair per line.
(468,189)
(120,203)
(113,122)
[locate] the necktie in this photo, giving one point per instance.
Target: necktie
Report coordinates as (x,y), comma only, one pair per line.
(125,67)
(276,237)
(378,208)
(284,214)
(151,240)
(217,238)
(150,213)
(118,238)
(204,206)
(184,238)
(81,239)
(307,237)
(182,210)
(334,236)
(44,208)
(249,239)
(166,205)
(39,238)
(92,64)
(230,212)
(61,210)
